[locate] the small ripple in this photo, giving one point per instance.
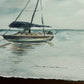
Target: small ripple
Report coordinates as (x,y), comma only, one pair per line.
(51,67)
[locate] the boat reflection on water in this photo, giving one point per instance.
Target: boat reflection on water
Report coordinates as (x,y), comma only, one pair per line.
(23,48)
(22,57)
(21,53)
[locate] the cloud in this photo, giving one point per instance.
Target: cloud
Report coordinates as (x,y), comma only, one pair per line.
(9,6)
(65,13)
(6,11)
(57,13)
(82,1)
(80,12)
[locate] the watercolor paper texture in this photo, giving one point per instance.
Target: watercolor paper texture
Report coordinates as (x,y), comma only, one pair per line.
(61,58)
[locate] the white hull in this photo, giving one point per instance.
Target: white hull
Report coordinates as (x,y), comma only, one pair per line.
(28,38)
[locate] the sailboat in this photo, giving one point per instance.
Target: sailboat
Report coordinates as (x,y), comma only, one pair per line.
(27,35)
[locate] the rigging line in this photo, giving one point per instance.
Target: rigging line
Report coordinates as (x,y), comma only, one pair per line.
(4,45)
(33,15)
(7,31)
(42,16)
(41,12)
(22,10)
(34,12)
(18,15)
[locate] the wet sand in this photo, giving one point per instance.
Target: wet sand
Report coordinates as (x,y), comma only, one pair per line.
(36,81)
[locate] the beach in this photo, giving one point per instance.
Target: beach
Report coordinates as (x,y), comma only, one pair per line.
(36,81)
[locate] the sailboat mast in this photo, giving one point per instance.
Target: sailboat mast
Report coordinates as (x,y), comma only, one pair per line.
(42,16)
(33,15)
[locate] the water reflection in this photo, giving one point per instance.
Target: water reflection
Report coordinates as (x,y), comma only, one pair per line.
(15,62)
(23,48)
(19,49)
(19,52)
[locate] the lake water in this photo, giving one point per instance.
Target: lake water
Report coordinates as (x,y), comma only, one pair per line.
(61,58)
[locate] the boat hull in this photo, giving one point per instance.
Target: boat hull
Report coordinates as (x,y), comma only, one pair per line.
(15,38)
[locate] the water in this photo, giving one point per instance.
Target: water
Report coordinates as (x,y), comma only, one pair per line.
(62,58)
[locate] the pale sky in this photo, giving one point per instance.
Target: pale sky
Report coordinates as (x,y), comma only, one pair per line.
(60,14)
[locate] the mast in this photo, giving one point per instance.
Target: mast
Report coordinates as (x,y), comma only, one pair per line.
(42,16)
(33,15)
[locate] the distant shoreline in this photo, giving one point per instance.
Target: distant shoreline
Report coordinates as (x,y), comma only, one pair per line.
(45,29)
(12,80)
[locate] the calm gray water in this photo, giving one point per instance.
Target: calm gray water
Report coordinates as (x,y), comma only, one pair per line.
(61,58)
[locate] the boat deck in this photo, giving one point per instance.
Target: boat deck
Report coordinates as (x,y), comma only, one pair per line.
(31,34)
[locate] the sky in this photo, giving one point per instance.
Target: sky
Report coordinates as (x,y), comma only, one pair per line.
(60,14)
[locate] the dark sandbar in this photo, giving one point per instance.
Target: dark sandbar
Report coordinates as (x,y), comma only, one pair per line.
(4,80)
